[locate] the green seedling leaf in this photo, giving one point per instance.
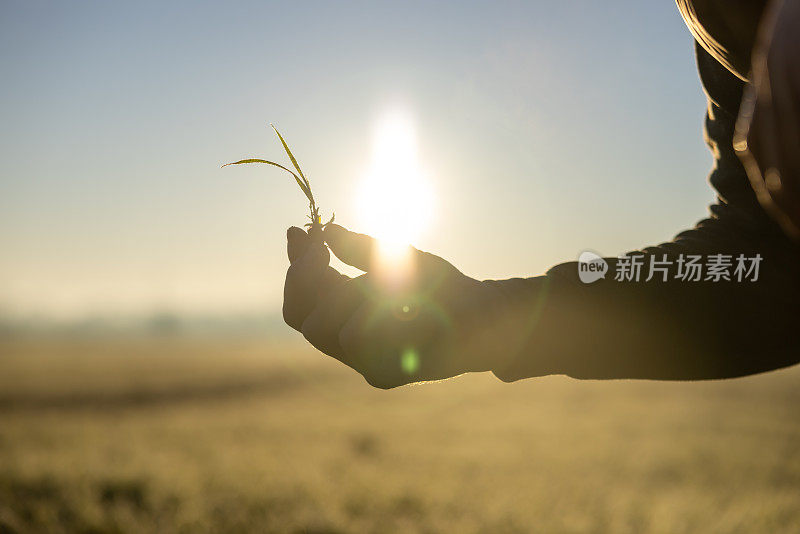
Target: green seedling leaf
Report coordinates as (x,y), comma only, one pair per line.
(291,157)
(316,221)
(306,189)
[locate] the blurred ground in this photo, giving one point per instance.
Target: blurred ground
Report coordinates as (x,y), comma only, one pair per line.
(214,434)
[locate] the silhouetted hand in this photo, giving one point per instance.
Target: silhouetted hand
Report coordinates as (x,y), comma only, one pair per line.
(768,131)
(411,318)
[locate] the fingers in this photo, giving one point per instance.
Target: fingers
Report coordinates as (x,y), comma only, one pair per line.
(764,158)
(762,138)
(322,326)
(785,187)
(744,121)
(358,321)
(768,143)
(358,250)
(352,248)
(768,130)
(786,111)
(297,242)
(307,277)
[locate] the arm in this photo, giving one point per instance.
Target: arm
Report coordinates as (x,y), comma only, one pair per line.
(435,322)
(673,330)
(553,324)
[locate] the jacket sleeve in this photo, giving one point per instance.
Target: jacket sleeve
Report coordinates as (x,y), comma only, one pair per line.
(667,330)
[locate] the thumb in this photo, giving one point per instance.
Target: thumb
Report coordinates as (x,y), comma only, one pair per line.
(297,242)
(352,248)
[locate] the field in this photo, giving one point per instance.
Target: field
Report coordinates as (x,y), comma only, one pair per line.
(215,434)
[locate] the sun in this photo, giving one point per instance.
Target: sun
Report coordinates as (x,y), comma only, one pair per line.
(395,198)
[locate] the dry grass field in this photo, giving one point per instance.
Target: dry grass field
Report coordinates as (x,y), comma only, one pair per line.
(201,434)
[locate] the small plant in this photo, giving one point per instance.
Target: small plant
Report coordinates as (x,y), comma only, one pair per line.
(315,226)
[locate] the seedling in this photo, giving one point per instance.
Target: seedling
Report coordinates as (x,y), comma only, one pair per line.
(315,226)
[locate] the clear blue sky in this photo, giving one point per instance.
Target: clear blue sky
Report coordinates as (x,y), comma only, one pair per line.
(545,129)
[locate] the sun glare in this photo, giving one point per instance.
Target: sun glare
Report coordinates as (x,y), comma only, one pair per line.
(395,199)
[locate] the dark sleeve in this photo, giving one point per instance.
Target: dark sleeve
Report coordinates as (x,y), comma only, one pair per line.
(673,330)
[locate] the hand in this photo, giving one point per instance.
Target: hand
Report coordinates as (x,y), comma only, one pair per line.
(410,321)
(767,136)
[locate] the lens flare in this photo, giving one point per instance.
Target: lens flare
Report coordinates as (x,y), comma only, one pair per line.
(409,361)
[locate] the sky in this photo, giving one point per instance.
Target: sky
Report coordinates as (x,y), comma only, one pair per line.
(536,130)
